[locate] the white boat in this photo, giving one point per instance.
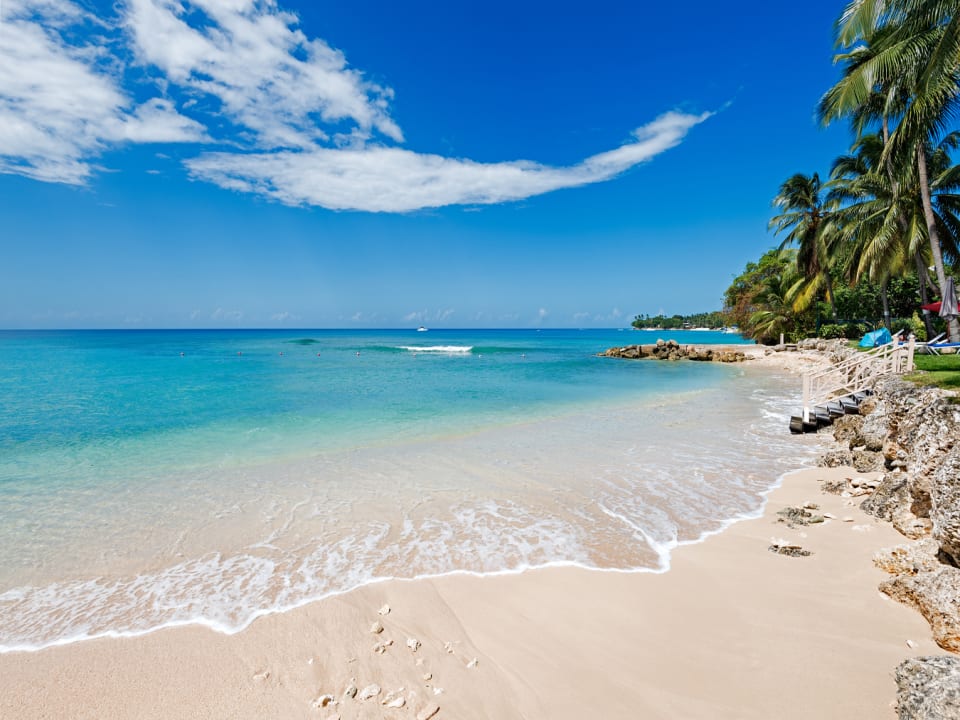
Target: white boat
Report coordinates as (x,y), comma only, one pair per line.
(421,329)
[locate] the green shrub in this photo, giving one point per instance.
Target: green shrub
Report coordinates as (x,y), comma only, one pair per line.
(850,331)
(831,331)
(917,328)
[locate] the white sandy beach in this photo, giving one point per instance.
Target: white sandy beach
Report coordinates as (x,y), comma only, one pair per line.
(731,631)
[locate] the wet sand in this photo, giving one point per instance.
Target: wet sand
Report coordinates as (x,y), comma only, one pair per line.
(732,630)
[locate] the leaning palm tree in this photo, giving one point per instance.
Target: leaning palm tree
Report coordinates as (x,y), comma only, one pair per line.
(806,219)
(909,51)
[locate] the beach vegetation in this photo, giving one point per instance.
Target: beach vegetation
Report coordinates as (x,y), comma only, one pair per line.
(714,320)
(878,238)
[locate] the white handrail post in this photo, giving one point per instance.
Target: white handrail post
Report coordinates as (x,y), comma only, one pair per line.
(806,398)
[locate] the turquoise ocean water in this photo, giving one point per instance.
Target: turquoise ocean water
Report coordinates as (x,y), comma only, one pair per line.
(155,478)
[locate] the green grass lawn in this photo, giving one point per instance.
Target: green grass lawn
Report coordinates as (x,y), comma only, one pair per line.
(940,370)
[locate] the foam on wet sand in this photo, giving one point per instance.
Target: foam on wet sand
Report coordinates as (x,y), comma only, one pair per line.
(731,631)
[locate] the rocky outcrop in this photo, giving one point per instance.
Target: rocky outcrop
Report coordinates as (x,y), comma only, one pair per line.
(928,688)
(945,505)
(936,594)
(912,435)
(672,350)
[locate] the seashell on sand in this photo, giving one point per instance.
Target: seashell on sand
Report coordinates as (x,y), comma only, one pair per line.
(376,628)
(413,644)
(385,610)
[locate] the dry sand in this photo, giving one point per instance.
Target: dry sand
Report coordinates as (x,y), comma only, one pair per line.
(731,631)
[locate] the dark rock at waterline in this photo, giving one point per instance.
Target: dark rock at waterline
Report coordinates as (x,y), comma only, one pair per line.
(836,458)
(798,516)
(672,350)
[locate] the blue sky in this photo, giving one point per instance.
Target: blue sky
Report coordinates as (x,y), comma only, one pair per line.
(231,163)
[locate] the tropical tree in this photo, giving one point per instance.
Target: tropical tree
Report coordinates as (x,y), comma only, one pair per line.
(806,218)
(760,302)
(901,66)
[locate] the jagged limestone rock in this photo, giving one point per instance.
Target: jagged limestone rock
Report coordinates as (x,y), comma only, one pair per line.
(847,430)
(891,494)
(867,461)
(910,558)
(874,431)
(909,525)
(936,594)
(945,504)
(672,350)
(928,688)
(836,458)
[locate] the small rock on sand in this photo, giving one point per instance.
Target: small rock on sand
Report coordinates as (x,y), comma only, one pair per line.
(323,701)
(351,691)
(385,610)
(473,663)
(376,628)
(370,691)
(428,712)
(394,699)
(413,644)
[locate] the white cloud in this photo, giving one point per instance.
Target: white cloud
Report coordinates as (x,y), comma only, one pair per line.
(294,121)
(424,316)
(60,103)
(382,179)
(266,74)
(221,314)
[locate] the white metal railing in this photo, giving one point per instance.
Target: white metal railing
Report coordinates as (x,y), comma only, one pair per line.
(857,373)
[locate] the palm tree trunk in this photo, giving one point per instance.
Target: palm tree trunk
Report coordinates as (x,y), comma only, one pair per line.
(886,303)
(953,327)
(924,296)
(829,291)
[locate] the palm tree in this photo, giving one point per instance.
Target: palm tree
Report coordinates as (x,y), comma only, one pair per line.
(773,302)
(806,218)
(907,52)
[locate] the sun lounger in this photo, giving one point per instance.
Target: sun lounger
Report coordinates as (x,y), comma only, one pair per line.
(937,347)
(925,347)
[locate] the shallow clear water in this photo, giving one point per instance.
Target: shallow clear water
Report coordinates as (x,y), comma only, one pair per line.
(167,477)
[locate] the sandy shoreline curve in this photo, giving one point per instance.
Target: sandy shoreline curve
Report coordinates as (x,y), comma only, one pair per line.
(731,631)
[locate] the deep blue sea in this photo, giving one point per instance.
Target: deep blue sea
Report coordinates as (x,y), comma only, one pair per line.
(156,478)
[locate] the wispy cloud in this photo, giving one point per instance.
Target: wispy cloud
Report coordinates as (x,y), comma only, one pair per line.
(229,315)
(289,118)
(61,104)
(425,316)
(382,179)
(266,75)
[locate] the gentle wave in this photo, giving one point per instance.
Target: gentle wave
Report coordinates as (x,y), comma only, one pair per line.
(444,349)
